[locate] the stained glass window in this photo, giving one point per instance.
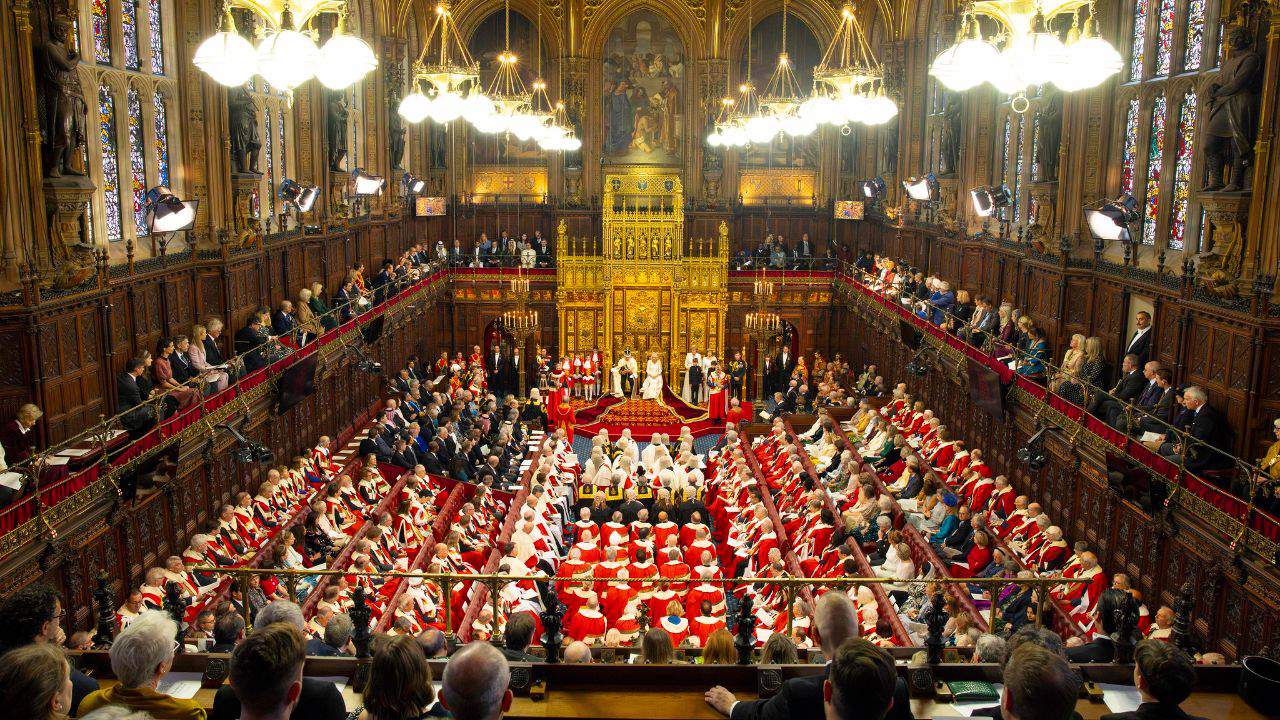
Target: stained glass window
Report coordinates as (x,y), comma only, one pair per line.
(1204,230)
(1222,43)
(110,163)
(1182,172)
(1129,157)
(101,31)
(157,37)
(1017,178)
(137,163)
(1155,161)
(1004,160)
(1035,146)
(1164,38)
(162,140)
(271,169)
(1138,49)
(129,28)
(1195,35)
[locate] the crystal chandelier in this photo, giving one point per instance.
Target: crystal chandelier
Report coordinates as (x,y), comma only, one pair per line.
(1027,49)
(782,99)
(511,100)
(743,120)
(849,81)
(554,132)
(448,74)
(286,56)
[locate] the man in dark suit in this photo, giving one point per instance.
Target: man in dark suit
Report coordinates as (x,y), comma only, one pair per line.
(337,633)
(862,682)
(375,444)
(517,637)
(283,323)
(1160,414)
(228,631)
(770,374)
(403,456)
(138,420)
(431,459)
(1140,341)
(495,371)
(1164,677)
(1128,387)
(802,698)
(784,365)
(267,681)
(1144,402)
(249,342)
(1038,683)
(1204,424)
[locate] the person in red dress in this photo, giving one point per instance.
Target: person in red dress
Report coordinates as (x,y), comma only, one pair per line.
(561,410)
(716,394)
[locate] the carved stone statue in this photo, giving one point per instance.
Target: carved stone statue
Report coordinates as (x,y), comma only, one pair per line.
(1233,120)
(1050,138)
(949,150)
(890,149)
(336,129)
(436,146)
(395,136)
(242,116)
(63,106)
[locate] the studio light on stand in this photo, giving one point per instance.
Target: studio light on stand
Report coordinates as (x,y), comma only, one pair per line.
(987,199)
(1032,453)
(166,214)
(246,450)
(917,366)
(1111,220)
(301,197)
(874,189)
(921,189)
(413,185)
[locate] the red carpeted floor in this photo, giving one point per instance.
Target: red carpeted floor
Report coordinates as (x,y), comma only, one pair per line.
(642,417)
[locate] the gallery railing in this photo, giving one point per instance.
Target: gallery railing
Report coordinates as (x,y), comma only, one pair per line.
(740,609)
(1238,503)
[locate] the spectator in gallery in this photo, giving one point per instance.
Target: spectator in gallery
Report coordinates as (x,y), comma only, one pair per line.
(35,683)
(165,380)
(132,391)
(33,616)
(284,323)
(212,347)
(1036,351)
(309,327)
(141,655)
(249,342)
(1209,435)
(320,309)
(18,437)
(198,354)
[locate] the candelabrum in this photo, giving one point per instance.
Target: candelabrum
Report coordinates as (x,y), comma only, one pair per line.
(521,321)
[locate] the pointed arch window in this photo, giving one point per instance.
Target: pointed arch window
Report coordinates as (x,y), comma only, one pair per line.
(1182,172)
(137,164)
(110,162)
(1155,165)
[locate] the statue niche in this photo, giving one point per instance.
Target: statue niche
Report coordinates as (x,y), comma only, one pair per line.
(952,131)
(63,110)
(335,125)
(395,135)
(1050,138)
(1233,122)
(242,116)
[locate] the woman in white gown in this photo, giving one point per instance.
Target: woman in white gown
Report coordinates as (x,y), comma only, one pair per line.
(652,387)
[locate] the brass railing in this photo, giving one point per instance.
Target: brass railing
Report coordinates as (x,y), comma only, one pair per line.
(494,581)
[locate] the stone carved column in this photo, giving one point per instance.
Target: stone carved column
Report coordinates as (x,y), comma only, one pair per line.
(712,89)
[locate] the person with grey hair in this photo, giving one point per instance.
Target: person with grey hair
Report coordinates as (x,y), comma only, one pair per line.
(280,611)
(318,700)
(140,656)
(434,643)
(1041,637)
(989,649)
(1209,435)
(577,653)
(475,683)
(834,622)
(337,633)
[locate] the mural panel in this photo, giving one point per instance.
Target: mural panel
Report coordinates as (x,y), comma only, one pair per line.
(644,86)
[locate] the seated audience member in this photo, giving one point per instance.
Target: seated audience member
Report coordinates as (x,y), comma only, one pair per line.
(318,699)
(720,650)
(266,673)
(1031,364)
(228,630)
(1038,684)
(577,653)
(337,634)
(834,623)
(1102,648)
(399,685)
(656,648)
(35,683)
(989,649)
(141,654)
(1165,677)
(778,650)
(1126,390)
(475,682)
(861,682)
(132,391)
(1029,635)
(18,438)
(1206,426)
(249,341)
(32,616)
(198,354)
(517,637)
(166,377)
